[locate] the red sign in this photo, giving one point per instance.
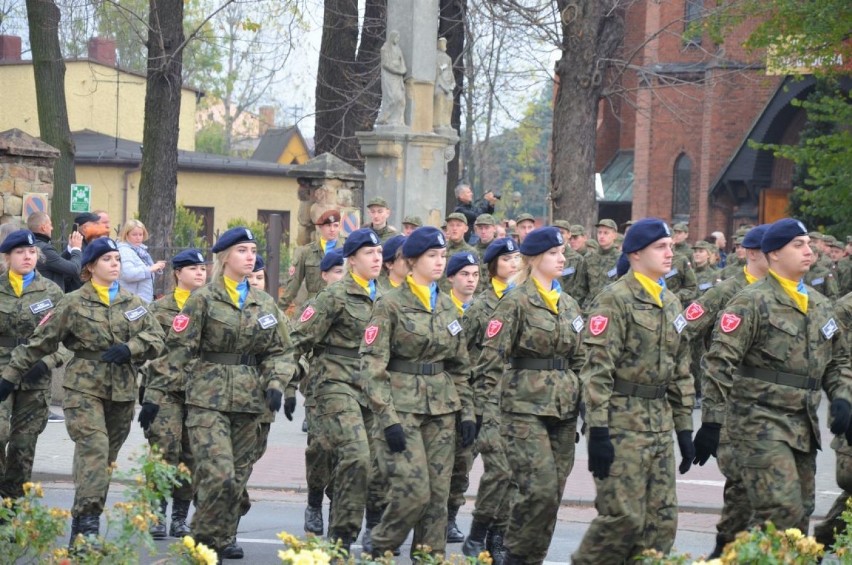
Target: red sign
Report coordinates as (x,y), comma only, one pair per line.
(694,312)
(729,322)
(597,324)
(307,314)
(494,327)
(180,323)
(370,334)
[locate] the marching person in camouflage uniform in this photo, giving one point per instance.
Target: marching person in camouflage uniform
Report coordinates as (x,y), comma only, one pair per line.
(680,233)
(524,224)
(25,298)
(600,266)
(535,330)
(486,232)
(379,212)
(228,343)
(681,280)
(169,431)
(821,277)
(701,315)
(305,265)
(637,390)
(579,240)
(333,326)
(395,269)
(775,346)
(491,513)
(110,331)
(705,274)
(574,280)
(455,230)
(415,362)
(409,224)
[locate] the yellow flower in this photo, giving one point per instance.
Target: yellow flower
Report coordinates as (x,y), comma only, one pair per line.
(793,533)
(485,557)
(290,539)
(320,557)
(140,522)
(35,488)
(188,542)
(205,554)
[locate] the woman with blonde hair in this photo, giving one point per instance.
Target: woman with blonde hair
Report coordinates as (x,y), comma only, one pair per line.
(137,266)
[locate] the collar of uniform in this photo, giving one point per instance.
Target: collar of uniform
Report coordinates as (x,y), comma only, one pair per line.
(88,292)
(639,291)
(534,297)
(748,276)
(167,302)
(782,291)
(413,299)
(353,286)
(221,293)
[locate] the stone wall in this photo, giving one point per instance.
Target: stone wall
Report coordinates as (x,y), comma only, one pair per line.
(26,165)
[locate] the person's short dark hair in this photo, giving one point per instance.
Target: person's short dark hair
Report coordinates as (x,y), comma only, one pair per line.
(710,239)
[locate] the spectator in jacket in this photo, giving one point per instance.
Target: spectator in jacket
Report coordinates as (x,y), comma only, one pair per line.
(52,265)
(471,209)
(137,266)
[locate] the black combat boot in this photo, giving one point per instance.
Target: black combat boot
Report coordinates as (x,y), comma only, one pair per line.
(721,542)
(454,534)
(474,544)
(494,545)
(232,550)
(372,519)
(179,528)
(75,529)
(158,530)
(511,559)
(313,520)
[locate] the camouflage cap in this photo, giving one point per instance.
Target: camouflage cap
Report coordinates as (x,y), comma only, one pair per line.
(832,242)
(412,221)
(705,245)
(524,218)
(607,223)
(577,229)
(681,227)
(485,220)
(456,216)
(816,235)
(849,239)
(629,223)
(562,224)
(738,240)
(378,201)
(741,231)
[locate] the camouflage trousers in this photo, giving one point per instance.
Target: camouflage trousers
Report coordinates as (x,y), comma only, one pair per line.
(736,508)
(460,480)
(168,432)
(496,491)
(418,482)
(98,428)
(636,504)
(824,531)
(223,445)
(540,452)
(779,481)
(23,416)
(263,427)
(318,463)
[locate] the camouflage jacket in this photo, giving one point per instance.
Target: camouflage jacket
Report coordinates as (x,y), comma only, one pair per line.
(734,265)
(210,323)
(335,319)
(760,328)
(683,249)
(843,313)
(384,233)
(575,279)
(474,321)
(600,270)
(522,329)
(843,274)
(19,317)
(402,329)
(702,312)
(822,279)
(632,340)
(681,279)
(85,324)
(484,275)
(305,266)
(164,310)
(706,278)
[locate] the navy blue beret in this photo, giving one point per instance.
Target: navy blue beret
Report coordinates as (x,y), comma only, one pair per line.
(18,238)
(421,240)
(622,266)
(259,264)
(540,240)
(780,233)
(188,257)
(85,218)
(390,247)
(232,237)
(501,246)
(333,258)
(97,248)
(754,237)
(364,237)
(459,261)
(643,233)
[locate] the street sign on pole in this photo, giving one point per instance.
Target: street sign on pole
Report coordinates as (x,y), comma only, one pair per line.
(81,198)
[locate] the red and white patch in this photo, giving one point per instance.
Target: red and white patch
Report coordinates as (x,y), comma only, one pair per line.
(180,323)
(292,270)
(370,334)
(693,312)
(493,328)
(307,314)
(45,319)
(597,324)
(729,322)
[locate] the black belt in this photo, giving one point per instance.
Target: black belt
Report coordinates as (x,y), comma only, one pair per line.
(229,358)
(635,389)
(551,364)
(351,352)
(13,341)
(401,366)
(89,355)
(780,378)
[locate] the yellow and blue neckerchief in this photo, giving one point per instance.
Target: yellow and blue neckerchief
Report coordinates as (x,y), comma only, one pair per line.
(501,288)
(368,285)
(795,290)
(20,282)
(426,294)
(238,291)
(749,278)
(327,246)
(460,306)
(180,296)
(653,288)
(106,293)
(550,297)
(392,283)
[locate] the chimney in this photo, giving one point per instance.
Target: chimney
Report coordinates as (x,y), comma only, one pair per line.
(102,50)
(267,119)
(10,48)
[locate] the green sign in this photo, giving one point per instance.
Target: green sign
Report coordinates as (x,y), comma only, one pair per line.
(81,198)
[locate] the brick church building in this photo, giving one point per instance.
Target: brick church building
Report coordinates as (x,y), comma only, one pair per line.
(674,142)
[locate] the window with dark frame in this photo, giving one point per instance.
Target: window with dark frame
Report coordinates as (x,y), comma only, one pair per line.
(206,215)
(693,12)
(681,188)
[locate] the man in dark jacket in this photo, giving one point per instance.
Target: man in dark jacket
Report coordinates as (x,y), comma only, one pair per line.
(57,267)
(471,209)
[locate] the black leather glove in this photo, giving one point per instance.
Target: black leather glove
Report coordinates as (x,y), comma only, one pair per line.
(601,452)
(118,353)
(395,437)
(141,395)
(468,433)
(6,389)
(35,372)
(289,407)
(273,400)
(147,414)
(687,450)
(841,414)
(478,423)
(706,442)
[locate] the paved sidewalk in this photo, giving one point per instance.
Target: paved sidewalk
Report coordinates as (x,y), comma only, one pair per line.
(283,467)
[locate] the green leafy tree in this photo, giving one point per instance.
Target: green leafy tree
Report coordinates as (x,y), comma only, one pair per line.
(188,228)
(211,139)
(257,228)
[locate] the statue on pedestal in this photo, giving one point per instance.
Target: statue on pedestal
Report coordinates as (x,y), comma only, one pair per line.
(445,84)
(392,112)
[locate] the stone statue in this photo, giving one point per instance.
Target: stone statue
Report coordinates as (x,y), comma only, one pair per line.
(392,112)
(445,84)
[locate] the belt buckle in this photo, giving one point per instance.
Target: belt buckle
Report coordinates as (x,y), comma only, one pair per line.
(813,384)
(244,359)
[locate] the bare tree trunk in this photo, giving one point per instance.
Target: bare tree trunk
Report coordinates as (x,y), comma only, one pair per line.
(49,71)
(368,65)
(592,31)
(158,183)
(451,25)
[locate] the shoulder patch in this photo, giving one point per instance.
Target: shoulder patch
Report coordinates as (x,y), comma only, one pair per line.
(136,313)
(829,329)
(41,306)
(693,312)
(671,273)
(307,314)
(680,323)
(455,328)
(578,324)
(612,272)
(267,321)
(569,271)
(729,322)
(46,318)
(598,324)
(493,328)
(292,270)
(370,334)
(180,323)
